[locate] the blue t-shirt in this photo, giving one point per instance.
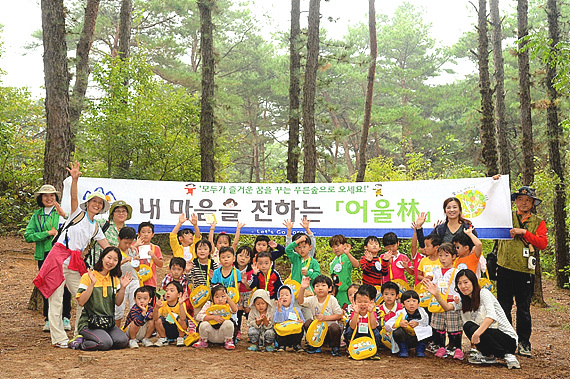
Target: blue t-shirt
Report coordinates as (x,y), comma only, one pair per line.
(229,281)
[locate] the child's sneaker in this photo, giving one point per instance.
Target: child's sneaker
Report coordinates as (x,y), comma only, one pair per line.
(280,349)
(342,343)
(61,344)
(229,345)
(146,342)
(133,344)
(269,348)
(201,344)
(441,352)
(313,350)
(46,327)
(180,341)
(162,341)
(335,351)
(66,324)
(512,361)
(238,336)
(253,347)
(432,348)
(76,342)
(458,354)
(298,349)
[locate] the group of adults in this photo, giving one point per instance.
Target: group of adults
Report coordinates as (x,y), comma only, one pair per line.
(64,256)
(485,317)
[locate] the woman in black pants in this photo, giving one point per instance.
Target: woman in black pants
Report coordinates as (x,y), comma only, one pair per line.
(484,321)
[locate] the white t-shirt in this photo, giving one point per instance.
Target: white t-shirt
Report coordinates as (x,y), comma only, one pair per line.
(79,235)
(333,308)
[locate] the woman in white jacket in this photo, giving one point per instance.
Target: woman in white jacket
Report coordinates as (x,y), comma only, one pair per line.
(484,321)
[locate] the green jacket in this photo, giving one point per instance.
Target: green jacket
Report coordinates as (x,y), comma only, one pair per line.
(510,252)
(297,264)
(38,231)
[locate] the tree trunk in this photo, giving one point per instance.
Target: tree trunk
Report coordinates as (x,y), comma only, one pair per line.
(125,29)
(524,94)
(488,137)
(499,74)
(207,101)
(125,20)
(554,135)
(369,90)
(82,66)
(58,146)
(309,91)
(294,93)
(526,124)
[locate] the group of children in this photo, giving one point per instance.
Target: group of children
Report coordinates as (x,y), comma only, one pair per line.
(212,285)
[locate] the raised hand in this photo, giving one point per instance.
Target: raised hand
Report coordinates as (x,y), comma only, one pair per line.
(368,255)
(255,268)
(305,282)
(272,244)
(305,223)
(182,218)
(240,225)
(193,219)
(59,210)
(288,224)
(74,170)
(91,276)
(126,279)
(420,220)
(430,286)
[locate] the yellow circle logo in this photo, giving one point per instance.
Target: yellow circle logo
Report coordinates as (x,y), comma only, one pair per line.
(473,203)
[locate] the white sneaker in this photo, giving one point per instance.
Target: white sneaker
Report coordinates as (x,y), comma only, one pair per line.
(162,341)
(66,324)
(146,342)
(133,344)
(46,327)
(62,344)
(180,341)
(512,361)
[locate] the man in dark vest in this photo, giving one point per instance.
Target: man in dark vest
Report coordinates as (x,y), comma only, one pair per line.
(516,261)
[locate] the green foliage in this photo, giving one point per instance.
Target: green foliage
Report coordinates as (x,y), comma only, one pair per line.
(142,128)
(22,125)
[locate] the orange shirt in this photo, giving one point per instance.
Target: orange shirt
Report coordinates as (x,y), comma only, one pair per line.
(470,262)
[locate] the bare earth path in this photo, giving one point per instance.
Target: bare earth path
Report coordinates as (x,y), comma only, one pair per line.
(26,352)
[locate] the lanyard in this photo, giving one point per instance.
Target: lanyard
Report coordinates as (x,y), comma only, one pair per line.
(267,278)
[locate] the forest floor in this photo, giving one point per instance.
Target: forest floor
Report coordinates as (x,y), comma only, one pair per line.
(26,351)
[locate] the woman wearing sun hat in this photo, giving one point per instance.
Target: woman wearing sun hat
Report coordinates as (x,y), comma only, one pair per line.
(64,264)
(119,213)
(41,229)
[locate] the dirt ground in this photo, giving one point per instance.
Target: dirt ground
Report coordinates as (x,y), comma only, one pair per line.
(26,351)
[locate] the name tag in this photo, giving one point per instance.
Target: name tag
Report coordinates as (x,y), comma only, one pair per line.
(362,327)
(293,316)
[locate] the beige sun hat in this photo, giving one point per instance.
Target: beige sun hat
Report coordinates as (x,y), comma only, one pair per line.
(106,204)
(47,188)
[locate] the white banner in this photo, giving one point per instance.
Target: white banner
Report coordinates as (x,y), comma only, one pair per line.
(351,209)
